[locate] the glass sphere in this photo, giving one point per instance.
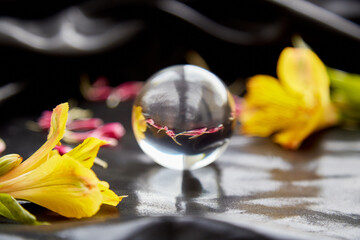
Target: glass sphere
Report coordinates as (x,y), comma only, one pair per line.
(183,117)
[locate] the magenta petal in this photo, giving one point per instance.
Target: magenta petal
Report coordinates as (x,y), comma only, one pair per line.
(239,102)
(127,90)
(62,149)
(98,93)
(101,82)
(111,130)
(2,146)
(45,120)
(85,124)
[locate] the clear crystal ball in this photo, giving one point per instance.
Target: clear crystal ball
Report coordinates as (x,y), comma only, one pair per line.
(183,117)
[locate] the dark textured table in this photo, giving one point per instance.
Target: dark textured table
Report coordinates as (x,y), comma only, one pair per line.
(256,190)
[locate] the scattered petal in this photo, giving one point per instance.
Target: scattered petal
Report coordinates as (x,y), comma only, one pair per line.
(84,124)
(62,149)
(99,91)
(45,120)
(2,145)
(109,132)
(79,127)
(123,92)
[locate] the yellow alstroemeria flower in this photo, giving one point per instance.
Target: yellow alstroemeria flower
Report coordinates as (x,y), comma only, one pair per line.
(292,107)
(62,183)
(138,123)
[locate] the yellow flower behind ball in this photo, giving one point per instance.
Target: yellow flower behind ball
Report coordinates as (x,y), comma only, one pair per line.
(292,107)
(138,123)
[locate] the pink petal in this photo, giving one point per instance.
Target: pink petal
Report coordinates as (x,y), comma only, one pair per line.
(127,90)
(98,94)
(99,91)
(101,82)
(109,132)
(239,102)
(2,146)
(45,120)
(62,149)
(112,130)
(84,124)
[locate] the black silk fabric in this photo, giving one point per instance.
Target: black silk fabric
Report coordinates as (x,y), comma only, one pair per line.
(255,190)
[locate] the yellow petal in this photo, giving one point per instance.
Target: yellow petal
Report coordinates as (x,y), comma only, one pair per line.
(268,108)
(87,151)
(60,184)
(302,73)
(292,137)
(109,197)
(57,130)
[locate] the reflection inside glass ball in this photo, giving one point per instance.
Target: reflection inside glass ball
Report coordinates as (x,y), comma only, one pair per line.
(183,117)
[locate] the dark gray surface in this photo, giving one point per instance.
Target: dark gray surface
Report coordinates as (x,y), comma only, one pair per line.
(256,190)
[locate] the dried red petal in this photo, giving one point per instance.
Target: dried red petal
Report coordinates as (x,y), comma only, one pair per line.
(195,132)
(192,133)
(216,129)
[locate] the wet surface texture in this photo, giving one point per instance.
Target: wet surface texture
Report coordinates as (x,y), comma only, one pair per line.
(256,190)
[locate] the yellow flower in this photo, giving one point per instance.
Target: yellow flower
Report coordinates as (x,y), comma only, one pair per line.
(138,122)
(62,183)
(292,107)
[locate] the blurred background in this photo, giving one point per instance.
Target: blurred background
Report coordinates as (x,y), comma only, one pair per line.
(46,46)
